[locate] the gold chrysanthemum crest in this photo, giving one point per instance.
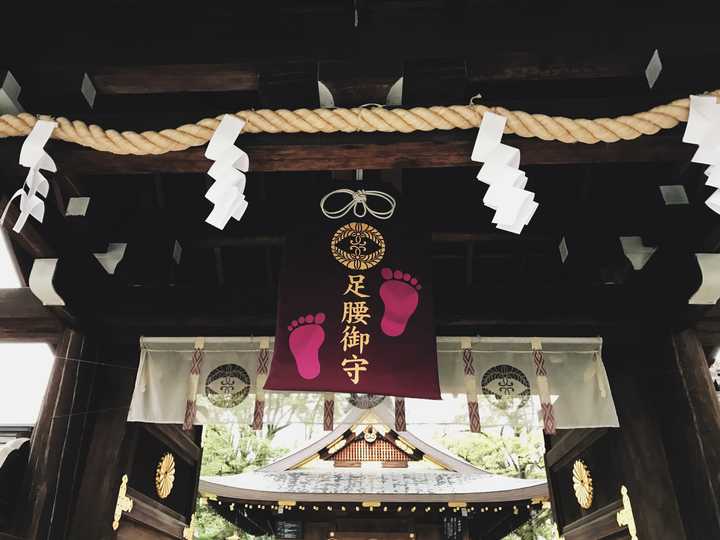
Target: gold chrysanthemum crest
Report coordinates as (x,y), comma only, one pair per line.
(165,475)
(582,484)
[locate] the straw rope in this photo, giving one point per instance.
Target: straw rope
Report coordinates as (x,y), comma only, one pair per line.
(360,119)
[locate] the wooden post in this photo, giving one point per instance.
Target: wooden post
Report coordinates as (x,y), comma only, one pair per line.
(643,463)
(689,419)
(58,444)
(77,453)
(107,457)
(632,456)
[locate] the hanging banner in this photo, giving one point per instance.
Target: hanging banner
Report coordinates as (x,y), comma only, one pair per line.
(355,311)
(498,376)
(173,387)
(548,383)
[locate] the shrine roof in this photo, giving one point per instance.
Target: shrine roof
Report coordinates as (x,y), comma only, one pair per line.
(359,485)
(290,478)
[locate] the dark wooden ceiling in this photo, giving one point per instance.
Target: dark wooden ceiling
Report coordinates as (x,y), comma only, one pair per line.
(159,65)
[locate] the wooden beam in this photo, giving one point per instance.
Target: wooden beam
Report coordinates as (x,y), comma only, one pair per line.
(23,318)
(165,79)
(317,152)
(486,309)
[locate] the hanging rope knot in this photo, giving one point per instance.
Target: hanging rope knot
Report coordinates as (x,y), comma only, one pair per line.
(360,197)
(359,204)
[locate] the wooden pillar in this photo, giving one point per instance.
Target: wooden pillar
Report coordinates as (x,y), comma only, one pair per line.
(76,457)
(689,418)
(632,456)
(59,443)
(105,462)
(642,466)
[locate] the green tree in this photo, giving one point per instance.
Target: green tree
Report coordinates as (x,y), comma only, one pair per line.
(282,410)
(510,449)
(229,449)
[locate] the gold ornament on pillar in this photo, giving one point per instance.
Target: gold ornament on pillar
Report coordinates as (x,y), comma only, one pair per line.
(189,531)
(582,484)
(165,475)
(625,517)
(123,504)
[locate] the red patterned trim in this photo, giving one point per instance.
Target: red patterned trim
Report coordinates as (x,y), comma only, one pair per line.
(400,423)
(190,411)
(474,416)
(548,418)
(258,414)
(329,415)
(263,362)
(197,359)
(539,360)
(468,359)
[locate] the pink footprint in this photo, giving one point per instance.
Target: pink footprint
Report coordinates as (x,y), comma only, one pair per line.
(306,337)
(399,293)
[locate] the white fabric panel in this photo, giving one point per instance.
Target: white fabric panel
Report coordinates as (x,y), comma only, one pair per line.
(162,381)
(577,383)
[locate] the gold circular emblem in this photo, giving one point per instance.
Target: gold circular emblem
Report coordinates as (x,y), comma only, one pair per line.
(357,246)
(582,484)
(165,475)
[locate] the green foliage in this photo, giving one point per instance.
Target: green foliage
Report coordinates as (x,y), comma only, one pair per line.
(229,449)
(540,527)
(282,410)
(516,452)
(232,449)
(211,526)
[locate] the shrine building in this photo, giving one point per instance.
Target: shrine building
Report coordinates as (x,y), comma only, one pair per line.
(364,478)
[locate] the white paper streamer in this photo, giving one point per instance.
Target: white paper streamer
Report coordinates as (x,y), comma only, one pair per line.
(228,171)
(33,155)
(653,69)
(513,205)
(637,253)
(703,129)
(40,282)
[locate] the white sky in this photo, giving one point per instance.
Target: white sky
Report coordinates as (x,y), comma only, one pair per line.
(24,367)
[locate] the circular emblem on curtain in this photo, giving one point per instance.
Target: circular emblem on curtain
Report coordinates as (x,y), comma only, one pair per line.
(227,386)
(357,246)
(165,475)
(582,484)
(506,383)
(365,401)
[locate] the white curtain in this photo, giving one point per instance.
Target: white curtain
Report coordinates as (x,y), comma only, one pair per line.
(504,372)
(504,379)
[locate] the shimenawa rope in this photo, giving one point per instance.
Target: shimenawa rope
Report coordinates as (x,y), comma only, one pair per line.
(361,119)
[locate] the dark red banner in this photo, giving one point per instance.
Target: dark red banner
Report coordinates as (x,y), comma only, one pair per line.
(355,311)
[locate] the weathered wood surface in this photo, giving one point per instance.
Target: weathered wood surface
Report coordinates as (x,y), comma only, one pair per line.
(104,466)
(23,318)
(689,418)
(149,515)
(601,524)
(59,444)
(635,455)
(363,151)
